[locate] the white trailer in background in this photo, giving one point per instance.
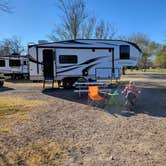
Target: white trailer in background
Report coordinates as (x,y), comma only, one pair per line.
(15,66)
(66,61)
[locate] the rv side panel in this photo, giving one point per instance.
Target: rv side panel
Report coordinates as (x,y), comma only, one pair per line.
(85,63)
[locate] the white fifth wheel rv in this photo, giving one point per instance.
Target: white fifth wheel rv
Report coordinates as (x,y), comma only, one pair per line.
(93,59)
(15,66)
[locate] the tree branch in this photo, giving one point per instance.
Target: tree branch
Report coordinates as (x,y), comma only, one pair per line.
(4,6)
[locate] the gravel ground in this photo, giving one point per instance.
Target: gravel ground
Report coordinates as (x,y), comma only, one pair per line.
(93,136)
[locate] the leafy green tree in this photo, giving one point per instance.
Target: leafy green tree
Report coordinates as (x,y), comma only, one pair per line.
(160,58)
(147,46)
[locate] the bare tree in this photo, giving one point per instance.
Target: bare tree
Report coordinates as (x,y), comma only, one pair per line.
(4,6)
(104,30)
(141,39)
(122,37)
(87,29)
(76,23)
(11,46)
(73,15)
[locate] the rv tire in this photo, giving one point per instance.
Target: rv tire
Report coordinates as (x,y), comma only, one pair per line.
(68,83)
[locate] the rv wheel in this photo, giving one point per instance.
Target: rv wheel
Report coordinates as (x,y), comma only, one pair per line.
(68,83)
(1,83)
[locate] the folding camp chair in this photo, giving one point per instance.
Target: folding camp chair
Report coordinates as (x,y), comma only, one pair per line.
(94,97)
(113,98)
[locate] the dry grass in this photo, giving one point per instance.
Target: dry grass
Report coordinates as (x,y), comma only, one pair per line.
(13,110)
(44,152)
(70,133)
(36,153)
(148,71)
(11,105)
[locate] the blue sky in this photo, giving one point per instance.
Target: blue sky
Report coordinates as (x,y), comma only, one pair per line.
(34,20)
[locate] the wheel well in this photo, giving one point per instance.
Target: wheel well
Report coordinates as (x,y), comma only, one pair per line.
(73,79)
(69,81)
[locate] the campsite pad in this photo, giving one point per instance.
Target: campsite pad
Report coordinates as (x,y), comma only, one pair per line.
(66,131)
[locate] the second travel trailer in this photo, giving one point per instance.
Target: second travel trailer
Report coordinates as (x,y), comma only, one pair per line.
(15,66)
(66,61)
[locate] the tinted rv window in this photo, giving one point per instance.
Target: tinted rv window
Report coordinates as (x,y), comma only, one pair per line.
(67,59)
(13,62)
(2,63)
(124,52)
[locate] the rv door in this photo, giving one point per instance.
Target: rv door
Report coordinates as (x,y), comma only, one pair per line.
(48,64)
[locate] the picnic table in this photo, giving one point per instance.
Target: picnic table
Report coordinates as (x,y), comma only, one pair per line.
(82,87)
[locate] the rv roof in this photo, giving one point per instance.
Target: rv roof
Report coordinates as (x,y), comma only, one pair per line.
(86,43)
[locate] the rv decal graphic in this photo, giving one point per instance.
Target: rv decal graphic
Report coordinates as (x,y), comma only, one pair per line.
(86,62)
(89,67)
(80,65)
(93,60)
(68,69)
(86,68)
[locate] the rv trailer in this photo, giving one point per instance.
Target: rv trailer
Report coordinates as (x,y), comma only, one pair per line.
(93,59)
(15,66)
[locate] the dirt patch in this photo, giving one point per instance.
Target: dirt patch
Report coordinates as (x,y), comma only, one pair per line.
(67,131)
(14,110)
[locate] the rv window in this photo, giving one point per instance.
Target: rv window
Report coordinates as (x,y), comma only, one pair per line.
(25,62)
(124,52)
(67,59)
(13,62)
(2,63)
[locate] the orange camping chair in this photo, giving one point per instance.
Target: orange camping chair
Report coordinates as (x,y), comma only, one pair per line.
(93,95)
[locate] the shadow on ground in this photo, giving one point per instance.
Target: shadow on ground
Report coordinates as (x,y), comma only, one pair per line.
(152,101)
(19,81)
(66,94)
(4,88)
